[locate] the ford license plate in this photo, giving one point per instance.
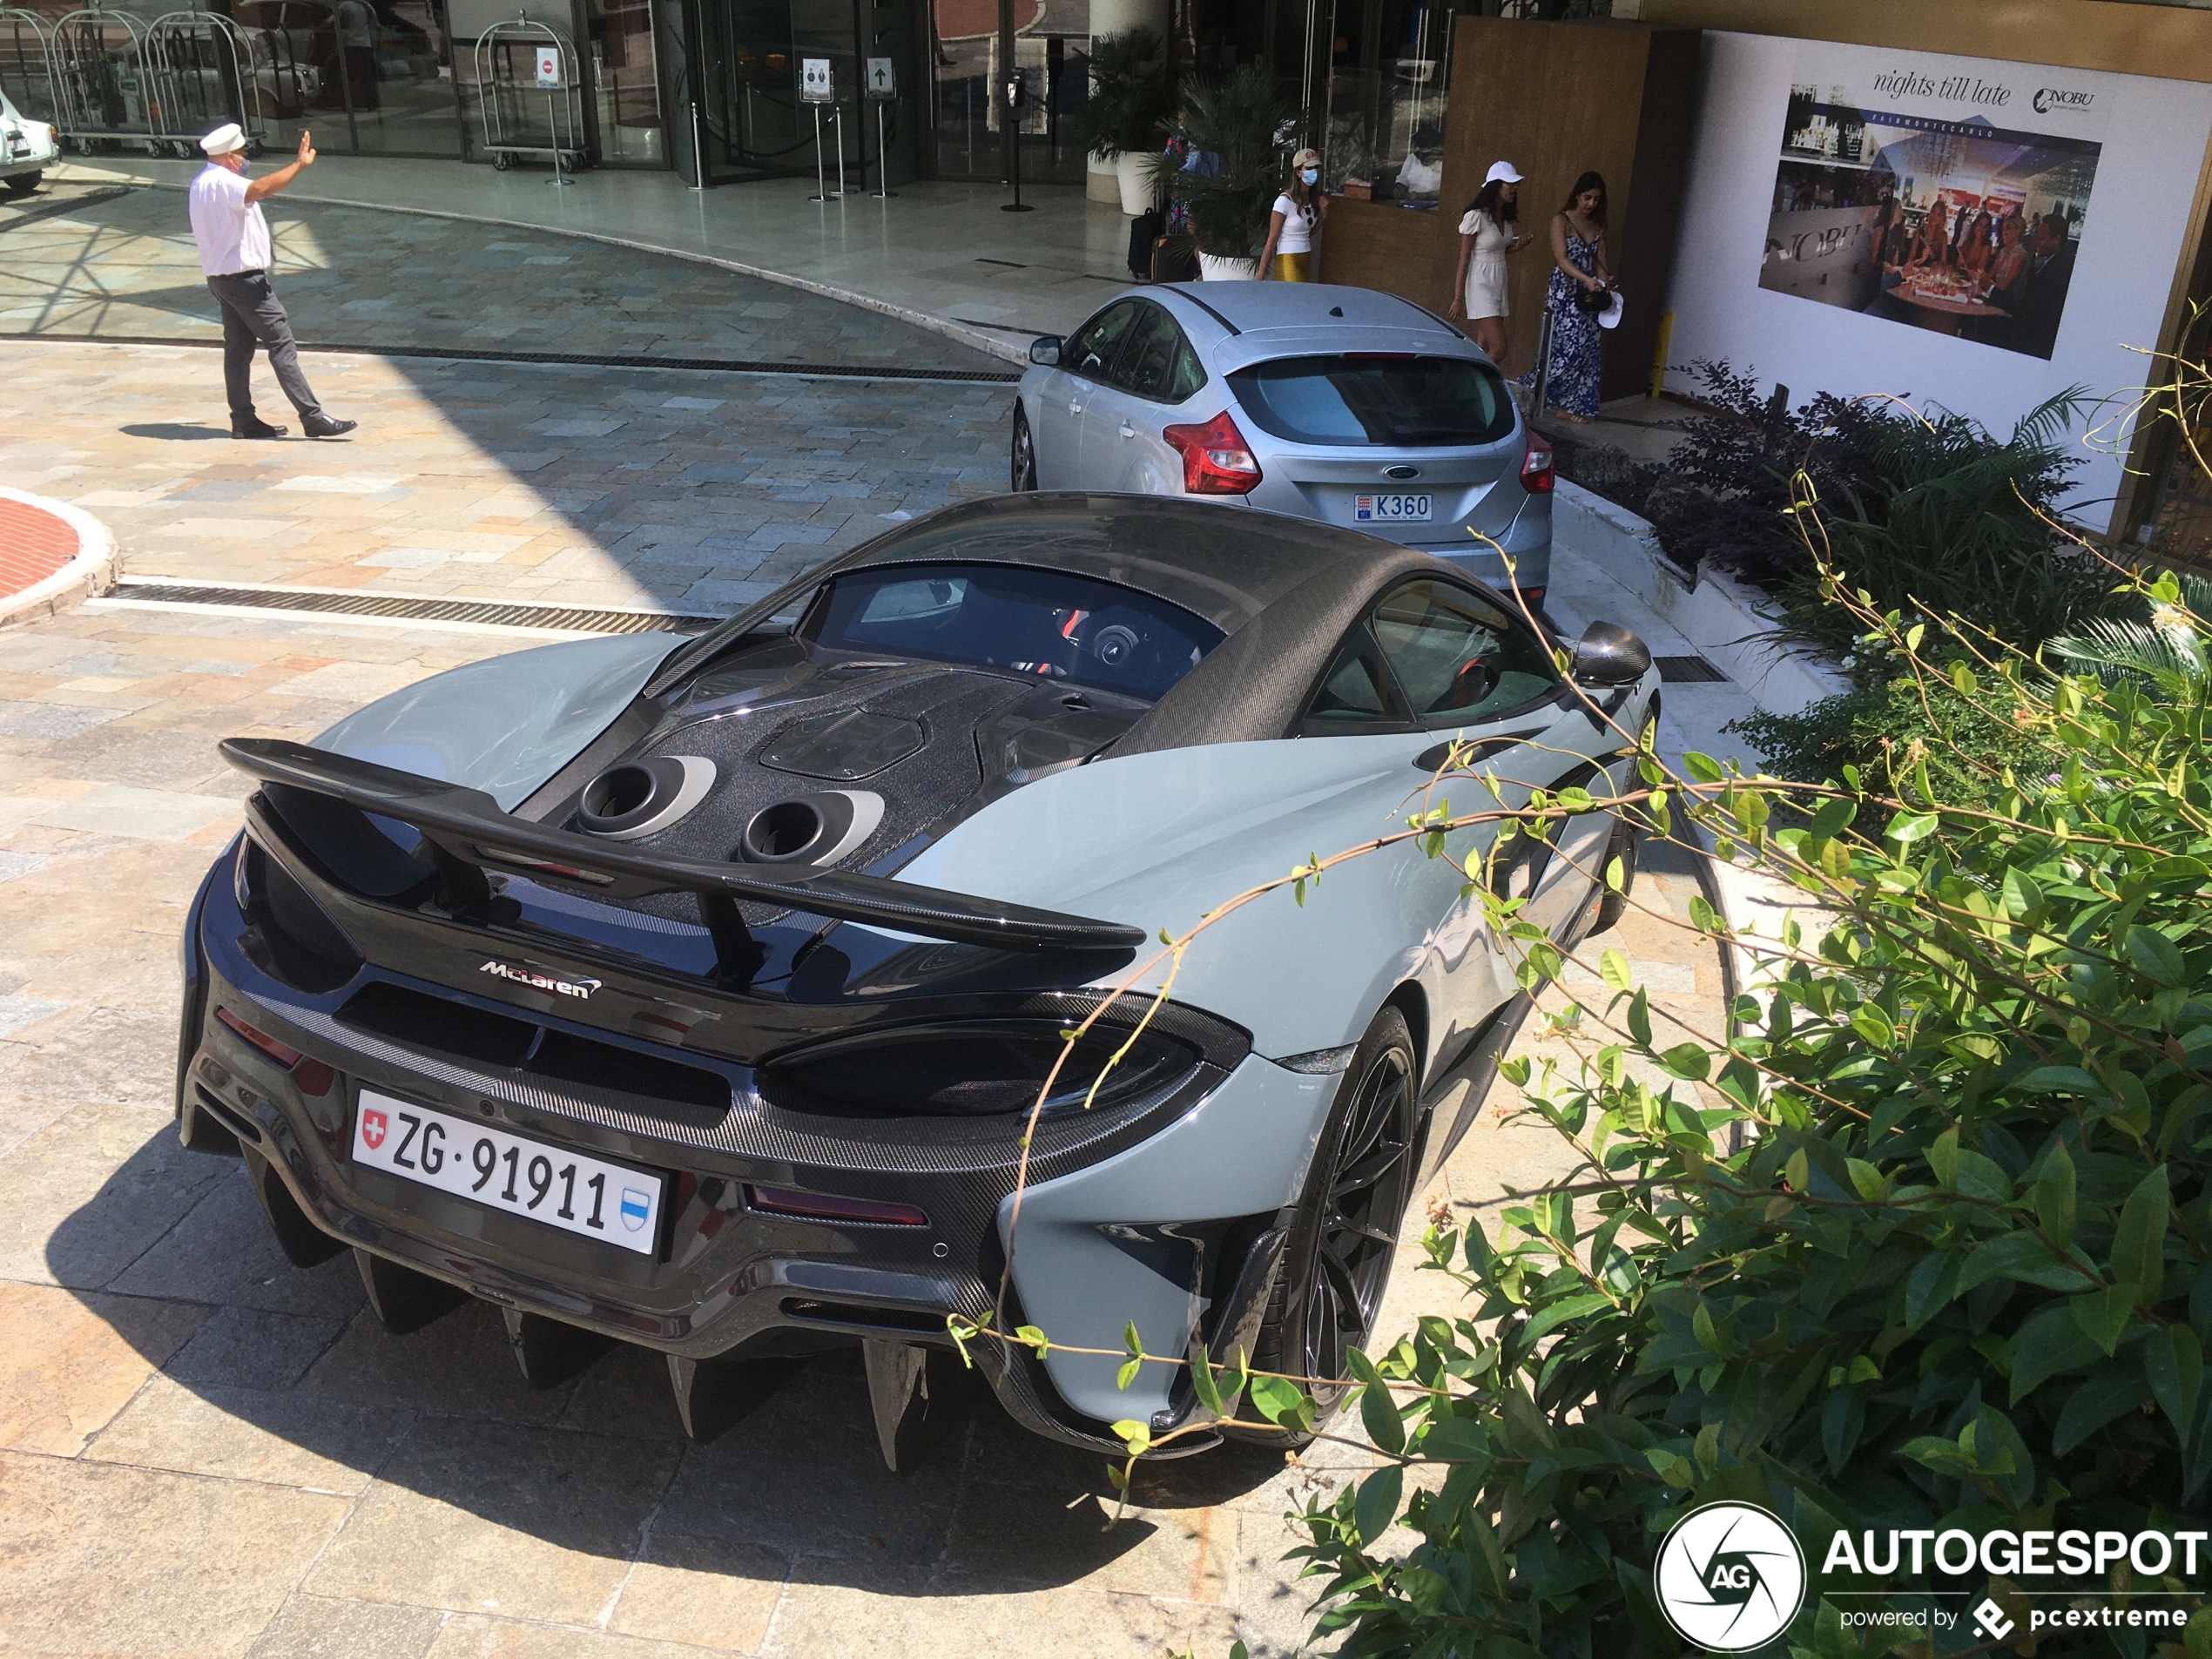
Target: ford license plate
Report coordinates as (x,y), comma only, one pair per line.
(561,1188)
(1389,509)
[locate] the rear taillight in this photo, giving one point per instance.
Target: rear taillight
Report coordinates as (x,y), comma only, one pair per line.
(283,1053)
(1536,474)
(786,1201)
(1215,459)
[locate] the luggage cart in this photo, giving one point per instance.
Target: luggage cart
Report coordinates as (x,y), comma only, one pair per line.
(202,64)
(511,59)
(27,65)
(101,81)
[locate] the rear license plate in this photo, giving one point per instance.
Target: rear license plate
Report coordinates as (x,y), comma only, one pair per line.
(561,1188)
(1391,509)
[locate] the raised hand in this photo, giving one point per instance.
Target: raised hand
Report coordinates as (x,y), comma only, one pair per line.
(306,149)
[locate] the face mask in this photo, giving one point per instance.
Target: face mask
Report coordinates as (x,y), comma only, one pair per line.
(1311,175)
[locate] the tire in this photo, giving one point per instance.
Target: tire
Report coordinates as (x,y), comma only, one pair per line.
(1336,1266)
(1023,454)
(23,184)
(1612,905)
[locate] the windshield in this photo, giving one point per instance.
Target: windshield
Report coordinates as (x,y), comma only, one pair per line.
(1363,398)
(1009,617)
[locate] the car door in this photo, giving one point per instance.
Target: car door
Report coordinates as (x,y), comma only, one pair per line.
(1056,425)
(1122,445)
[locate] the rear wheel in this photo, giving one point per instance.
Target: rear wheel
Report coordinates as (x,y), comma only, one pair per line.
(1612,905)
(1024,455)
(1338,1262)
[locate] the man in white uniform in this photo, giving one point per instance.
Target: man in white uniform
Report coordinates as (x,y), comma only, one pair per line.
(233,242)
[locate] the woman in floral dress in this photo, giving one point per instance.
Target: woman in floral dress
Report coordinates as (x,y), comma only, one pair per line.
(1578,263)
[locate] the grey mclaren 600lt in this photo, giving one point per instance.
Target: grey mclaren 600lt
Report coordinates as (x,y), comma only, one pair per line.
(695,993)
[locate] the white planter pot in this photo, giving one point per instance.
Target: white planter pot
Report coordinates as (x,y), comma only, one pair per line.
(1131,169)
(1212,269)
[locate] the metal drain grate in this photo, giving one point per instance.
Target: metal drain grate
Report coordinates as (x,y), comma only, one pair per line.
(585,359)
(406,608)
(1687,670)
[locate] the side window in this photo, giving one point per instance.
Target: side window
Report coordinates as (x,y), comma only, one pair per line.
(1149,363)
(1456,657)
(1356,693)
(1089,351)
(1189,377)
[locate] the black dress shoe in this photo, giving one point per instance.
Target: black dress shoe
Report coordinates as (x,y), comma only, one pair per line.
(321,426)
(251,427)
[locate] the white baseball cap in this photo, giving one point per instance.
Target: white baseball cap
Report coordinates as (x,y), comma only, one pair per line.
(223,139)
(1502,173)
(1610,317)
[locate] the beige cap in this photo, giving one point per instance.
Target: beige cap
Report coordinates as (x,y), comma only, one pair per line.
(223,139)
(1305,158)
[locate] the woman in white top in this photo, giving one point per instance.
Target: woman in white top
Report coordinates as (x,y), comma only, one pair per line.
(1299,212)
(1479,289)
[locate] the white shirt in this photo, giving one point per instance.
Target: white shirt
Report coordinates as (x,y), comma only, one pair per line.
(1297,227)
(232,234)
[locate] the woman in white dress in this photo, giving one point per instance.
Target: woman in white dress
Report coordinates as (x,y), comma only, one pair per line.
(1479,289)
(1294,222)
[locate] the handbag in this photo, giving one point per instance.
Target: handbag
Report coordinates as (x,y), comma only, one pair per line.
(1591,299)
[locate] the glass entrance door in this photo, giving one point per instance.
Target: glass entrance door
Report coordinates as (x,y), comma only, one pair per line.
(748,54)
(368,76)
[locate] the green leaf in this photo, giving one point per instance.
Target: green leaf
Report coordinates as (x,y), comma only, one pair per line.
(2103,1315)
(2155,956)
(1137,1435)
(1702,767)
(1616,876)
(1034,1337)
(2023,898)
(1701,1325)
(1379,1414)
(1688,1060)
(1640,1018)
(2139,1248)
(1871,1022)
(2174,1366)
(1908,827)
(1132,1344)
(1275,1398)
(1613,968)
(2022,1256)
(2054,1197)
(1832,819)
(1377,1505)
(2110,1391)
(1127,1374)
(1203,1380)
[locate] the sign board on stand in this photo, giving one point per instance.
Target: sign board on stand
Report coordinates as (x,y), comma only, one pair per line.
(883,79)
(549,66)
(814,85)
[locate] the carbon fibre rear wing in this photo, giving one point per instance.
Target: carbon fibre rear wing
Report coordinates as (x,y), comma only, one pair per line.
(464,834)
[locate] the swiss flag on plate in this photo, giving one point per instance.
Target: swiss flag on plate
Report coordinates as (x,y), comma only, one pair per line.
(373,1127)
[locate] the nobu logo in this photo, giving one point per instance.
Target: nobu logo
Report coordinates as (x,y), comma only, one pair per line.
(2058,97)
(541,981)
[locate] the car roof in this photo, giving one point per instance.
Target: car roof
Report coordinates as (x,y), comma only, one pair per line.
(1224,564)
(1249,307)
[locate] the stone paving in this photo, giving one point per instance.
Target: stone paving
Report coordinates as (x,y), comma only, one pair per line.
(123,264)
(682,489)
(205,1452)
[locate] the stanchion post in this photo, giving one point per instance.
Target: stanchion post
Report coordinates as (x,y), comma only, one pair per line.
(821,185)
(837,126)
(699,151)
(882,155)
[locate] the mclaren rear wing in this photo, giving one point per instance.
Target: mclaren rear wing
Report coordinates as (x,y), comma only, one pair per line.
(465,834)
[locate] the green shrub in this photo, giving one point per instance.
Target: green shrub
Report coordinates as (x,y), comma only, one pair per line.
(1132,94)
(1891,725)
(1241,119)
(1959,1274)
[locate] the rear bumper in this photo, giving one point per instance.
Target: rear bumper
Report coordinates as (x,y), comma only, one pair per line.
(1158,1232)
(1526,543)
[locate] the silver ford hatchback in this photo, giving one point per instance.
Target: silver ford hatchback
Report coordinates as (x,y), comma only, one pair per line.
(1344,405)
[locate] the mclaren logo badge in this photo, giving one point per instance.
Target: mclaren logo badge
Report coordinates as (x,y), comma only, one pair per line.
(542,981)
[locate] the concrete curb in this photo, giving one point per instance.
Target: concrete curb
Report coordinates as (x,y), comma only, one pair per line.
(91,573)
(1006,351)
(1727,621)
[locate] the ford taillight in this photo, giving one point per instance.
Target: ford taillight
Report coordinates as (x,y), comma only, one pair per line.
(1536,474)
(1215,459)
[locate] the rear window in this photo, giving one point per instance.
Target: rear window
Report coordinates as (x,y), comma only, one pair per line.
(1029,621)
(1368,398)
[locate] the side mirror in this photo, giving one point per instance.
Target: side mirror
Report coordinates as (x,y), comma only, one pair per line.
(1609,654)
(1045,349)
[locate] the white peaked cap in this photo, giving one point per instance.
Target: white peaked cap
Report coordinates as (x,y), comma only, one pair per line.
(223,139)
(1502,173)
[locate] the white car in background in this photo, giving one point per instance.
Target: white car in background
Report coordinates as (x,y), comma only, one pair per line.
(27,149)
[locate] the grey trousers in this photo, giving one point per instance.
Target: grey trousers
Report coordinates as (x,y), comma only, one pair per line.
(253,316)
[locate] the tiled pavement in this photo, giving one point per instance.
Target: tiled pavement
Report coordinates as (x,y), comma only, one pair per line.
(205,1451)
(79,259)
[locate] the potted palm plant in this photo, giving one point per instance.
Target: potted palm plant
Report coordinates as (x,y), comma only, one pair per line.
(1239,128)
(1132,95)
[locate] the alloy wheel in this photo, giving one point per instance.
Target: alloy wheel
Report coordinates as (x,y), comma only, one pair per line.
(1025,455)
(1370,1173)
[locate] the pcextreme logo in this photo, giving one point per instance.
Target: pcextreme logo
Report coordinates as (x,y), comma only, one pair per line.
(579,988)
(1729,1577)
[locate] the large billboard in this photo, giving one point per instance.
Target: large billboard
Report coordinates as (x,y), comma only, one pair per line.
(1934,198)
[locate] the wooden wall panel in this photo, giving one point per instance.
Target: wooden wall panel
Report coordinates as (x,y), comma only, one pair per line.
(1555,99)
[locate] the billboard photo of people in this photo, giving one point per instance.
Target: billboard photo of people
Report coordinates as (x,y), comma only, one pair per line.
(1921,198)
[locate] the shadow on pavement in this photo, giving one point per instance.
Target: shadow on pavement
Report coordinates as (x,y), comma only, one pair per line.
(271,1372)
(175,431)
